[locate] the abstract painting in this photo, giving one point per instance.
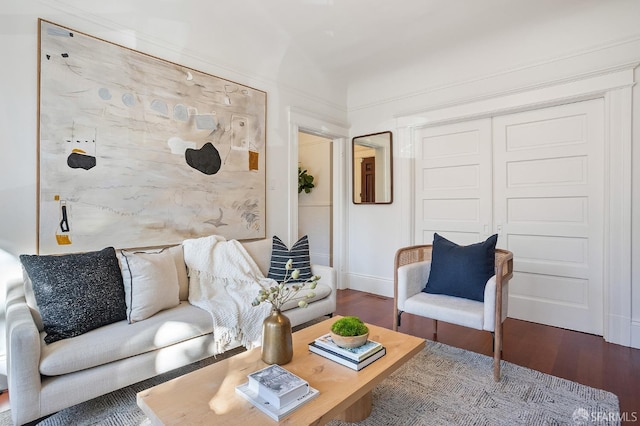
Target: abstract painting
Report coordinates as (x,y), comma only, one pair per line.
(136,151)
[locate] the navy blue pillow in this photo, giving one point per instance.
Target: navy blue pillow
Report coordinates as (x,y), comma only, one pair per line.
(461,271)
(299,253)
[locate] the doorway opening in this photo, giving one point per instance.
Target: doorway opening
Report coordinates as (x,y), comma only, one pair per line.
(368,180)
(315,209)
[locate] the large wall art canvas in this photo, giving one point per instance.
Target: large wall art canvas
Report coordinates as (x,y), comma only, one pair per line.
(135,151)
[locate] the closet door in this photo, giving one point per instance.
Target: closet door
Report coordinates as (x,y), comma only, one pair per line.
(453,182)
(548,210)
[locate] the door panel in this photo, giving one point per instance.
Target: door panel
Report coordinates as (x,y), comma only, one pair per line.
(536,178)
(548,206)
(453,182)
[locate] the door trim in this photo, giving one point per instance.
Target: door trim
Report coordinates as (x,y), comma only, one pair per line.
(307,122)
(615,88)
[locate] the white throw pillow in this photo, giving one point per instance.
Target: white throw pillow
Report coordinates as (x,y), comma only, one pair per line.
(150,283)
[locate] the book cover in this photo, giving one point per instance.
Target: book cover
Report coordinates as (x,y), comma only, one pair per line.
(277,385)
(347,362)
(358,354)
(267,408)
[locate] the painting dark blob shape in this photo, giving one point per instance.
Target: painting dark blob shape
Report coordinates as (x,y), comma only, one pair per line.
(206,159)
(81,161)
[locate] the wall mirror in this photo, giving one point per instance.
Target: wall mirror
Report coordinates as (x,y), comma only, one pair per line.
(372,168)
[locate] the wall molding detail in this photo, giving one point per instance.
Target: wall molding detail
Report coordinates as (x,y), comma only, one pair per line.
(311,122)
(504,73)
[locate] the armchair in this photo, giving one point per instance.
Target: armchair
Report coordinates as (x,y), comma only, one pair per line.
(411,272)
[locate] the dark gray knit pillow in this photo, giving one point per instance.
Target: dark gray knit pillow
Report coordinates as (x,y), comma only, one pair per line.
(299,253)
(76,292)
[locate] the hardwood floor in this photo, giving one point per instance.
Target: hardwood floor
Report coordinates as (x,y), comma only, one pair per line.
(580,357)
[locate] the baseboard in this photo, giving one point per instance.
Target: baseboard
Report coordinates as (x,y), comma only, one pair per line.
(371,284)
(3,372)
(635,334)
(619,330)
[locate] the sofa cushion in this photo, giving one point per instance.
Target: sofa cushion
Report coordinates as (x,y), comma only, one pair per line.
(181,268)
(299,253)
(260,252)
(461,271)
(150,283)
(321,291)
(121,340)
(76,293)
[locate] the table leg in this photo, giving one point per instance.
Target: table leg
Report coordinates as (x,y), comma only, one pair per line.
(359,411)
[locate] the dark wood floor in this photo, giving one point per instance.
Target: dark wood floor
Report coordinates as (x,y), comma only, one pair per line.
(580,357)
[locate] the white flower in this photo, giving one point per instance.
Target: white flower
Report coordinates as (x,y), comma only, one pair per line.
(280,293)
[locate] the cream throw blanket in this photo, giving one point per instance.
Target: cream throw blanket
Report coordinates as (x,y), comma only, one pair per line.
(224,280)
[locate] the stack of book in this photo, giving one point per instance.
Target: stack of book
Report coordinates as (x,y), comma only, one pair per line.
(354,358)
(276,391)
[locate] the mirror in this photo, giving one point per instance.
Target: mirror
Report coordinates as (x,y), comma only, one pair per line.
(372,169)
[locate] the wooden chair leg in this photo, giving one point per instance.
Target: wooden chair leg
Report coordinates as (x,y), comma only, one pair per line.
(435,330)
(396,320)
(497,352)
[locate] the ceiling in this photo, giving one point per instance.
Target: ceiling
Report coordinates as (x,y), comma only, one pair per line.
(352,37)
(345,38)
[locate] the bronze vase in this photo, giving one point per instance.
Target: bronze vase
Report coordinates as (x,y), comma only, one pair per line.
(277,347)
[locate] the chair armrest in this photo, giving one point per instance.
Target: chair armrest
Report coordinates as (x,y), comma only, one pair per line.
(489,305)
(499,282)
(411,280)
(23,355)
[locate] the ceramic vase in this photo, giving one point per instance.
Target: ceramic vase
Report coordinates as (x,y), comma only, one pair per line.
(277,346)
(349,341)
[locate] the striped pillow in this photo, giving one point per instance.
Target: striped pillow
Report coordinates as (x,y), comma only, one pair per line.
(299,253)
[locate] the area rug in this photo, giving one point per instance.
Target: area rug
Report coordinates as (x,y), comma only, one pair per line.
(442,385)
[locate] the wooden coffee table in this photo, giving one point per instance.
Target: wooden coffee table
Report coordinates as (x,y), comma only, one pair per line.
(207,396)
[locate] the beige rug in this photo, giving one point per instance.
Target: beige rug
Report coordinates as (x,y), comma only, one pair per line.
(441,385)
(444,385)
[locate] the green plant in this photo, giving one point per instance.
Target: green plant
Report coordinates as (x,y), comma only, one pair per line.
(305,181)
(349,326)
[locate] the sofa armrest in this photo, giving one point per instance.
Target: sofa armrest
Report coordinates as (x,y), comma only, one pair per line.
(411,280)
(23,356)
(327,277)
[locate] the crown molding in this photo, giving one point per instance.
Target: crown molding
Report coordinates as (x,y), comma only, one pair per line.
(506,72)
(577,88)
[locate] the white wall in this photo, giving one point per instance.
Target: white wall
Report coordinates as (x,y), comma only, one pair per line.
(590,41)
(272,72)
(267,64)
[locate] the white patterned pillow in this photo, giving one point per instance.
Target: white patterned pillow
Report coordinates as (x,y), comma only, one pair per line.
(299,253)
(150,283)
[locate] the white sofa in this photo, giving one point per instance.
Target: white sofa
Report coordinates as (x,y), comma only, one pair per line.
(45,378)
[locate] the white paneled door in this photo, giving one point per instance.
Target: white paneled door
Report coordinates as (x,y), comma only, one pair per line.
(453,182)
(536,178)
(548,209)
